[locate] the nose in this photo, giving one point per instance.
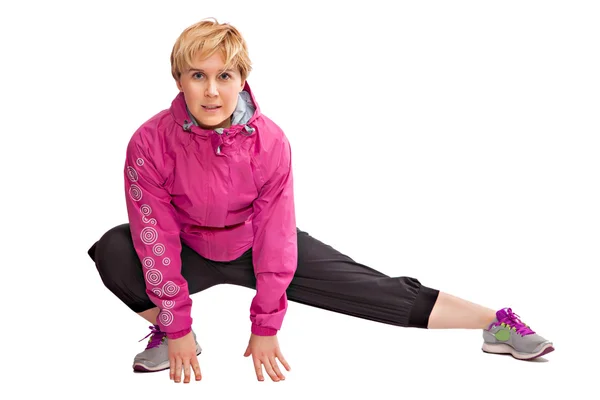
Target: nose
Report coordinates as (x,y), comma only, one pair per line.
(211,89)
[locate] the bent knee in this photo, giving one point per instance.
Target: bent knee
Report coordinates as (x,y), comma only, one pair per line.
(114,248)
(115,238)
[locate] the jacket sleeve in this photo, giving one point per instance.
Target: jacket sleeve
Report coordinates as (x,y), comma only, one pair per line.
(155,234)
(274,251)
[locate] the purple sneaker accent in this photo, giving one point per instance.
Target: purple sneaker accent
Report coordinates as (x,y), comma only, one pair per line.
(157,337)
(511,319)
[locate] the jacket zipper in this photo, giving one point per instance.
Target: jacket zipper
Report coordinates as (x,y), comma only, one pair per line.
(219,132)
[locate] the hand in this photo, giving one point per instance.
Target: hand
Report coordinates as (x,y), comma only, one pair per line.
(182,354)
(264,350)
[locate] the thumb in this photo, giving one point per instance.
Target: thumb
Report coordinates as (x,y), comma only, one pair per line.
(248,352)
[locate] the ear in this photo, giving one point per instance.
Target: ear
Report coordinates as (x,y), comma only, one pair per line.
(242,86)
(178,81)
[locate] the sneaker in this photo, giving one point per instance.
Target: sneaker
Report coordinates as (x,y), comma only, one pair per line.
(507,334)
(156,355)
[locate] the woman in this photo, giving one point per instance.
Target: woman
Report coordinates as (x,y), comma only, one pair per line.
(210,200)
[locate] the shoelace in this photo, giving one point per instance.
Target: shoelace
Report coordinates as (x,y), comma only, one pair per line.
(513,321)
(156,339)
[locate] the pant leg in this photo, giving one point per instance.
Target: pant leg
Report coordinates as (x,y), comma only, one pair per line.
(121,270)
(330,280)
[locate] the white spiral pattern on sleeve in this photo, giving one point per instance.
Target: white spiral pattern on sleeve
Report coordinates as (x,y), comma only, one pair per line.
(148,262)
(158,249)
(168,304)
(170,289)
(146,209)
(150,221)
(154,277)
(149,235)
(132,174)
(135,192)
(165,317)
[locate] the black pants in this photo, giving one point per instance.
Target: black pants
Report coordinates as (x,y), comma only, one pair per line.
(324,278)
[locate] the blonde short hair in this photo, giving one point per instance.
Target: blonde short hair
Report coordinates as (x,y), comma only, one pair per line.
(205,38)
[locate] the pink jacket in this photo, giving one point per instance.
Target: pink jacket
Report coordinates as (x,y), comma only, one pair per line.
(221,192)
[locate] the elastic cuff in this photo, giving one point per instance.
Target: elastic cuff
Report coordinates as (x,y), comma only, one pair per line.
(421,310)
(263,331)
(177,335)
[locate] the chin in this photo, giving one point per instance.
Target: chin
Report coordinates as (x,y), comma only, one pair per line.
(211,124)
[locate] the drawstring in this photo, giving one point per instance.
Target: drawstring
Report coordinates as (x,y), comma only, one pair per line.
(249,130)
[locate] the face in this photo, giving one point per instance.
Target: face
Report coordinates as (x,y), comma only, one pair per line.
(211,93)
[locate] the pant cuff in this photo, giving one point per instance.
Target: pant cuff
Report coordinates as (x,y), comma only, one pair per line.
(421,310)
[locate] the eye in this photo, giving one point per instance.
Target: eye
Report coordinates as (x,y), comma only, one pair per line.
(197,75)
(225,76)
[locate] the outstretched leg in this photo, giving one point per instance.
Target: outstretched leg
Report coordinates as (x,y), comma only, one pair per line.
(330,280)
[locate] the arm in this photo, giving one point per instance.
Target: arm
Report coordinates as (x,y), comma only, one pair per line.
(155,234)
(274,251)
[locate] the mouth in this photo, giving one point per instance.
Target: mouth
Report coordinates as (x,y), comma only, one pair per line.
(211,108)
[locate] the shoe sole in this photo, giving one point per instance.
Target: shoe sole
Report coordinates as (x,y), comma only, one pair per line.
(139,367)
(506,349)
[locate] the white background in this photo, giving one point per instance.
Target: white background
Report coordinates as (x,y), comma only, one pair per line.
(452,141)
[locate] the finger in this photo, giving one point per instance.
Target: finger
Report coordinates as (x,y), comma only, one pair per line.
(178,364)
(276,368)
(172,368)
(269,369)
(283,361)
(186,370)
(258,369)
(196,368)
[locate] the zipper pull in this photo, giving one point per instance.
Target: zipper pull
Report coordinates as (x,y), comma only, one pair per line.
(219,132)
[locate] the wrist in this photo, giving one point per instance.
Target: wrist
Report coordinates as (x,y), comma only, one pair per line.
(178,334)
(263,330)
